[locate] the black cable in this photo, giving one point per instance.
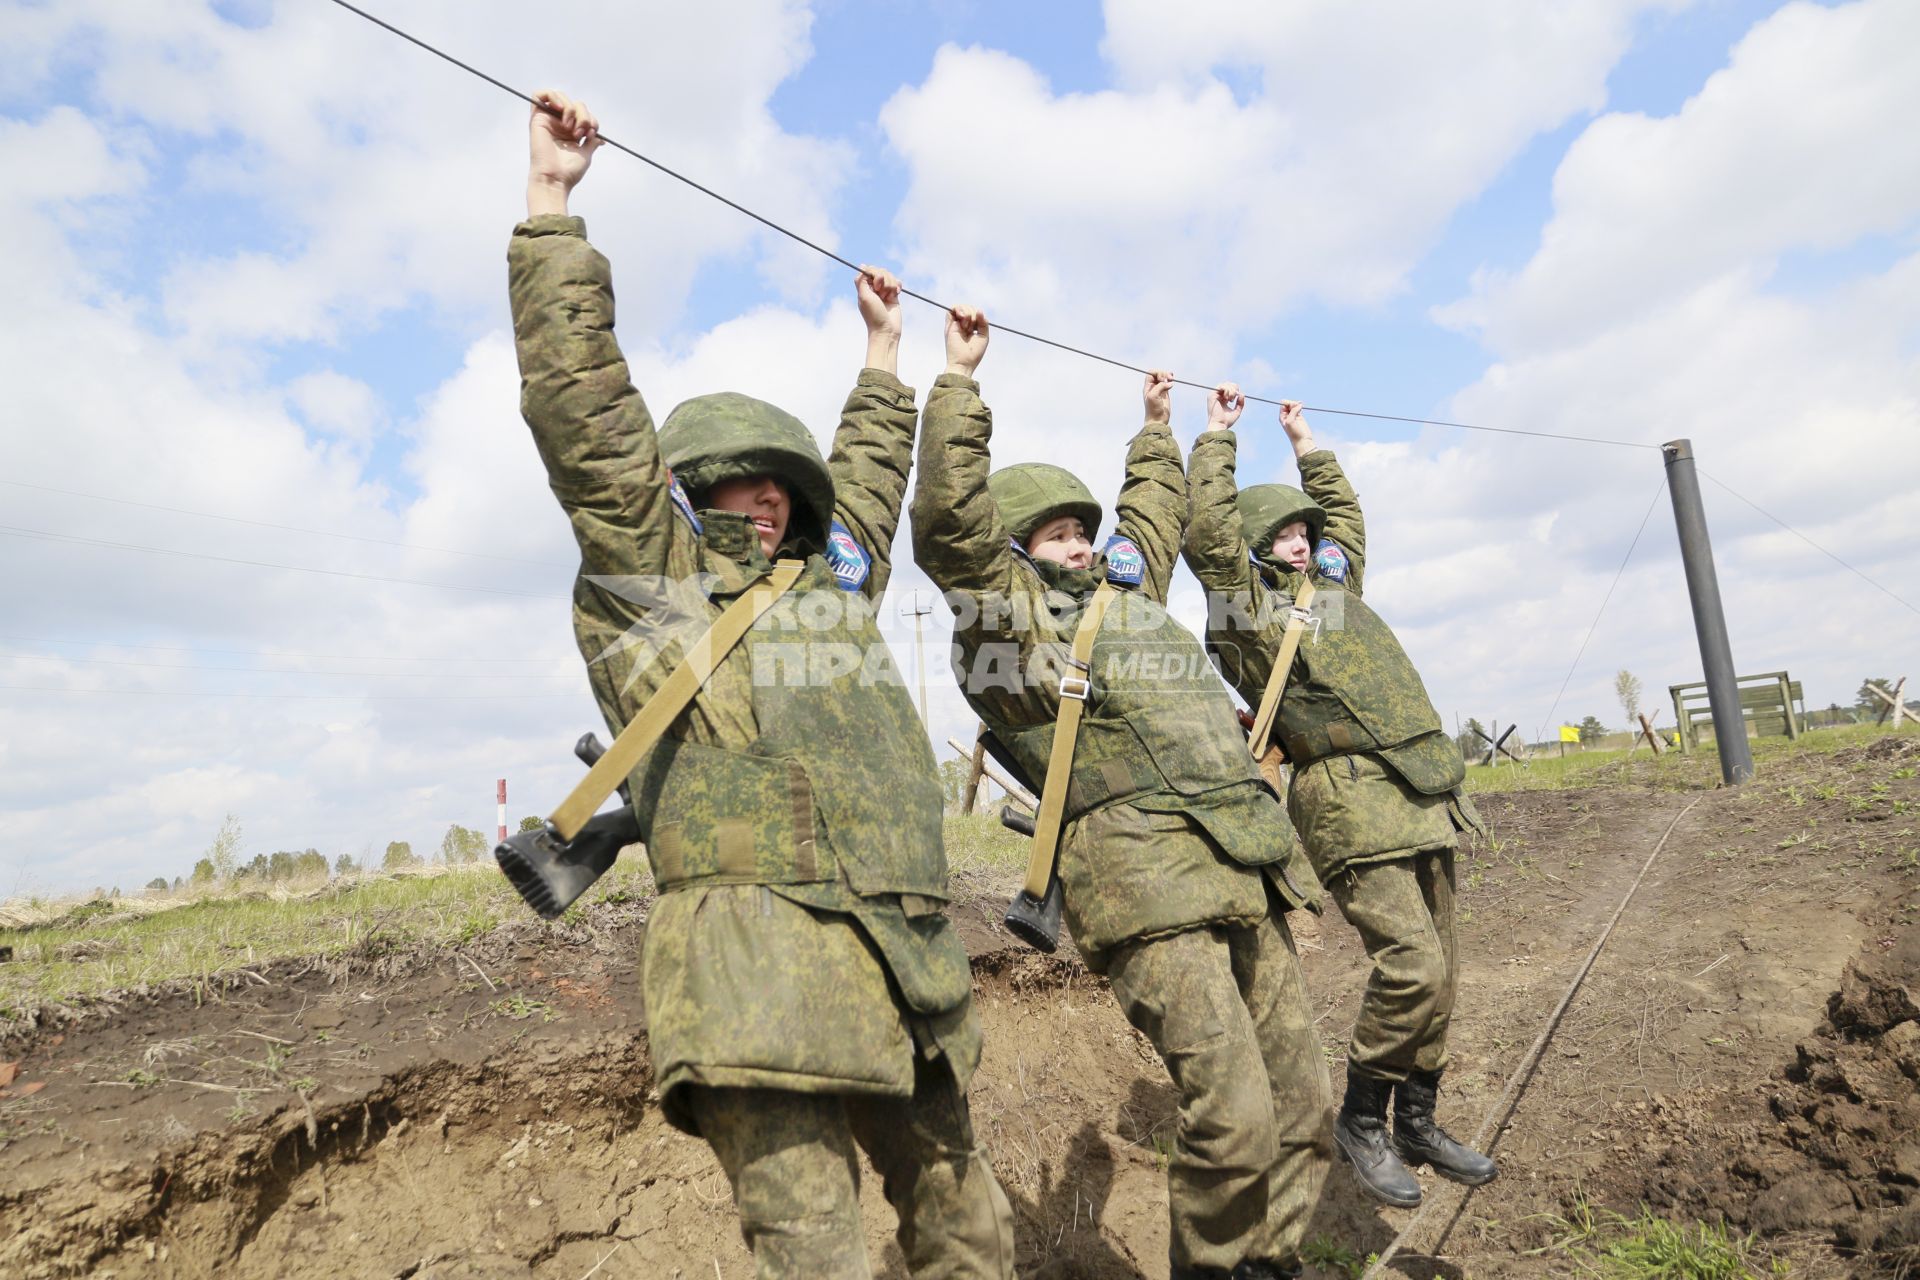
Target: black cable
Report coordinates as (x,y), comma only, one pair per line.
(795,236)
(13,531)
(1803,537)
(1603,604)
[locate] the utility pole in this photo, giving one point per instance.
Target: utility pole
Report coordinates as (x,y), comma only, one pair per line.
(1709,621)
(917,607)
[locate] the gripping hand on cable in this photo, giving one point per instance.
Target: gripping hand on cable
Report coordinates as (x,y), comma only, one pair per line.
(1294,422)
(966,339)
(1157,394)
(562,136)
(878,292)
(1224,404)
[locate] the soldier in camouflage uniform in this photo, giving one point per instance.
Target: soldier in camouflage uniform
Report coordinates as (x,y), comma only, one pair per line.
(1376,791)
(805,994)
(1177,862)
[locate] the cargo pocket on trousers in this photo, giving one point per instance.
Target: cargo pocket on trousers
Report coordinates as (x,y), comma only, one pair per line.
(924,956)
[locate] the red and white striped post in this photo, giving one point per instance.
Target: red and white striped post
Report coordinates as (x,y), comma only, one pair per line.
(502,795)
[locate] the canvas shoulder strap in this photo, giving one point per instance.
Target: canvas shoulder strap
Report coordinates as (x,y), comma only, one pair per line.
(671,698)
(1074,688)
(1282,668)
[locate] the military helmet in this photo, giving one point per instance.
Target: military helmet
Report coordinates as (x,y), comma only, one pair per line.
(726,436)
(1028,494)
(1264,508)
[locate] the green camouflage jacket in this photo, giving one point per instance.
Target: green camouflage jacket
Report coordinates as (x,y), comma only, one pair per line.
(1355,709)
(800,777)
(1169,820)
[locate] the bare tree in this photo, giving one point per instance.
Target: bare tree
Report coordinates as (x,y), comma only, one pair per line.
(224,852)
(1626,687)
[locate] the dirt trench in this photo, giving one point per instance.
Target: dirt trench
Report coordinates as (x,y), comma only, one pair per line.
(490,1112)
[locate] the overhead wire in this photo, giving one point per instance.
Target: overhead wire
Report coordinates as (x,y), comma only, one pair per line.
(1030,336)
(1905,603)
(1601,611)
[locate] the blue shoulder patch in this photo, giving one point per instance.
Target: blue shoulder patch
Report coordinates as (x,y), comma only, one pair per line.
(680,500)
(1126,567)
(848,559)
(1330,560)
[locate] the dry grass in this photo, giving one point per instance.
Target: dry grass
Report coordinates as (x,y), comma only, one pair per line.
(1671,771)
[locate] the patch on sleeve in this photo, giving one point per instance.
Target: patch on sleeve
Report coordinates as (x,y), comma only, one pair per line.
(1126,567)
(681,501)
(848,559)
(1330,560)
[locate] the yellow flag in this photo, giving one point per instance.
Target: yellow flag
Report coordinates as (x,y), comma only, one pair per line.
(1569,734)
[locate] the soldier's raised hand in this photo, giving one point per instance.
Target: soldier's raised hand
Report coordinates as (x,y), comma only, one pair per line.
(1224,406)
(879,293)
(562,136)
(966,340)
(1294,422)
(1157,393)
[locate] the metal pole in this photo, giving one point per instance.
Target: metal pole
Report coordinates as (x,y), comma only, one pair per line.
(918,608)
(1709,622)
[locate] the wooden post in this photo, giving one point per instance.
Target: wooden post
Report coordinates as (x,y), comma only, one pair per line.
(1646,728)
(1896,702)
(1786,708)
(1013,789)
(973,776)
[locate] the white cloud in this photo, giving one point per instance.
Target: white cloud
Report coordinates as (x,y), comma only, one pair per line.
(1781,150)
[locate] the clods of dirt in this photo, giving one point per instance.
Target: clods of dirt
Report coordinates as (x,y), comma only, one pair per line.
(1832,1149)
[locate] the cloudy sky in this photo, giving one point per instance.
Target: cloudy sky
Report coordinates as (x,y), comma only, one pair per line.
(276,542)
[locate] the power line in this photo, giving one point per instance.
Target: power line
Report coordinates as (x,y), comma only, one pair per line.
(1804,538)
(289,528)
(825,252)
(42,535)
(1603,602)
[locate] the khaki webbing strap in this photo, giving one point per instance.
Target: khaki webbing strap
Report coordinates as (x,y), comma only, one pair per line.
(1066,730)
(671,698)
(1282,668)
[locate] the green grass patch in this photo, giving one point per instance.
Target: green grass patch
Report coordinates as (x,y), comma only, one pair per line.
(1671,770)
(76,959)
(978,842)
(1646,1247)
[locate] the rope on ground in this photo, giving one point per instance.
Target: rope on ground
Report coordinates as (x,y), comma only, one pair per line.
(1494,1125)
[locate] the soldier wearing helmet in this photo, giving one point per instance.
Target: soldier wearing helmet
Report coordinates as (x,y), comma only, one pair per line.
(805,994)
(1177,862)
(1376,791)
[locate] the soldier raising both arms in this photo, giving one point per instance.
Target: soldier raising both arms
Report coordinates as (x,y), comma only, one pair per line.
(1376,790)
(804,992)
(1175,857)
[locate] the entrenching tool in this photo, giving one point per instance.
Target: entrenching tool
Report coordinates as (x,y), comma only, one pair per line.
(1034,914)
(553,864)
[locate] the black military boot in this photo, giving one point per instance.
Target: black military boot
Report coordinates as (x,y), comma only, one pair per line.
(1419,1140)
(1360,1132)
(1176,1271)
(1266,1269)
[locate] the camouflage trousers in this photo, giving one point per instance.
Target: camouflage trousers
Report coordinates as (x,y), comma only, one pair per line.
(796,1180)
(1227,1010)
(1403,910)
